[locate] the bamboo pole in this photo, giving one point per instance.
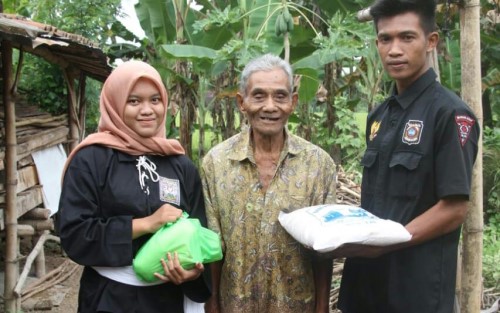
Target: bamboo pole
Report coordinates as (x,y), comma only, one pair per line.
(11,303)
(471,93)
(39,263)
(38,248)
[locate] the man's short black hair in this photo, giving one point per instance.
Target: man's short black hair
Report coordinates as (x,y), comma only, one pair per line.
(425,9)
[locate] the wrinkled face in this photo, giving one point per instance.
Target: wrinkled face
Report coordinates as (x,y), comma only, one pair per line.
(403,46)
(144,110)
(267,102)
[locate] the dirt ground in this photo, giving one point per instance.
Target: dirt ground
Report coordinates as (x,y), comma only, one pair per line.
(57,291)
(67,290)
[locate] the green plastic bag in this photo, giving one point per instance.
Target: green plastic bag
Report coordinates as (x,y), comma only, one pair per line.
(192,242)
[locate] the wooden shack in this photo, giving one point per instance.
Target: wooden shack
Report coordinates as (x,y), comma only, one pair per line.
(25,129)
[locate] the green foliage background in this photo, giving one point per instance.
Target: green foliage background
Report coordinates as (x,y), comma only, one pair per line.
(328,45)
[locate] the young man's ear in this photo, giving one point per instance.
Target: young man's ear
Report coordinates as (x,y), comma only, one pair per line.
(432,41)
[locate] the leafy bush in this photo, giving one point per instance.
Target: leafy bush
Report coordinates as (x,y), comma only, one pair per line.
(491,173)
(491,253)
(491,184)
(44,85)
(347,132)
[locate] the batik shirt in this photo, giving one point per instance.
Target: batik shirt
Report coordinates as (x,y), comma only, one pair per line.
(264,269)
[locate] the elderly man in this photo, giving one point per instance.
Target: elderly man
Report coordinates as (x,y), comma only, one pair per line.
(248,179)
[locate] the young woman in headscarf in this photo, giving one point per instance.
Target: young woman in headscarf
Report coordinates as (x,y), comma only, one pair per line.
(122,184)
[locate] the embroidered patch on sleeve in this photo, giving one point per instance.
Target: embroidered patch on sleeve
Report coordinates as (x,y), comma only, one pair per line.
(412,132)
(464,126)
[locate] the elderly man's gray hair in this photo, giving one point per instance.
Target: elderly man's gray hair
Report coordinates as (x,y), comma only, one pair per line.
(267,62)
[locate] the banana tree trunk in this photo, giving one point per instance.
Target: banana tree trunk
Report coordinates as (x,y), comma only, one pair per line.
(331,75)
(185,108)
(181,89)
(471,94)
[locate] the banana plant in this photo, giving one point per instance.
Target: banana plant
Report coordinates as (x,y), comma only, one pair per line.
(220,37)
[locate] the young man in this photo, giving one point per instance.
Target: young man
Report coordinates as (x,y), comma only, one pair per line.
(421,146)
(247,180)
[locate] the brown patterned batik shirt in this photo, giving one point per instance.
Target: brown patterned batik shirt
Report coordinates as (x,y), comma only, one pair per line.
(265,269)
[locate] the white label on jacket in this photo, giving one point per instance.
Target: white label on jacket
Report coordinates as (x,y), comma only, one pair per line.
(170,190)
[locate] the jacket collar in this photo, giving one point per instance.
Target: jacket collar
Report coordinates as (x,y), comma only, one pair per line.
(243,148)
(416,89)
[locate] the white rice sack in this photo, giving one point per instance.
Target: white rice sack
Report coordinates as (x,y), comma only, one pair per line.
(326,227)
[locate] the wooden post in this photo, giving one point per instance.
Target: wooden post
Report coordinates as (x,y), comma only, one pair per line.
(82,104)
(11,302)
(74,124)
(39,263)
(471,94)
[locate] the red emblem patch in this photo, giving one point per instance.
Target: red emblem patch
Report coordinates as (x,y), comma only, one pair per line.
(464,126)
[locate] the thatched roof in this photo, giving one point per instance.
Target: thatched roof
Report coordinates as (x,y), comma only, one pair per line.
(71,51)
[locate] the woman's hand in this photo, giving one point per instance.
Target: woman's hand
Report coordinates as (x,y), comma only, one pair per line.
(150,224)
(165,214)
(174,272)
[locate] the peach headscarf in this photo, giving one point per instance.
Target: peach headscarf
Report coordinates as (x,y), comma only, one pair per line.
(112,131)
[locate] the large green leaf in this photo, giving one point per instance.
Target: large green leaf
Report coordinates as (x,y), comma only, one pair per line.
(261,14)
(215,29)
(449,64)
(261,19)
(309,84)
(202,58)
(301,43)
(190,52)
(215,38)
(156,20)
(311,61)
